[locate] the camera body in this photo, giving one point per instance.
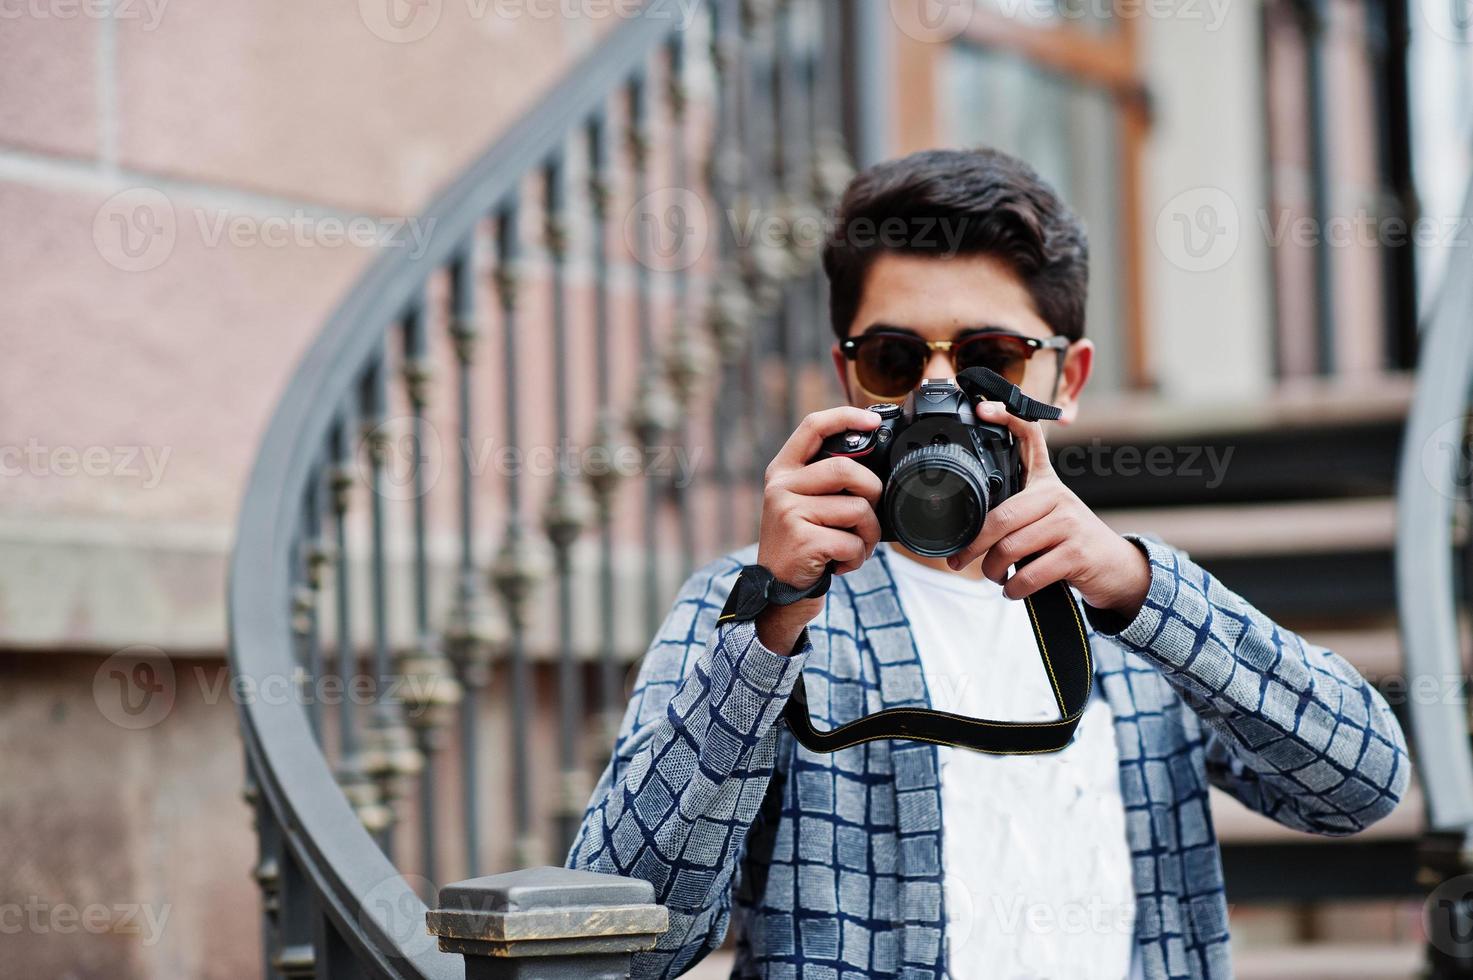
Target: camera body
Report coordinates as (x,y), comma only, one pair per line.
(942,469)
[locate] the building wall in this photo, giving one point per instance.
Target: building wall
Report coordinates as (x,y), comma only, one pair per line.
(176,186)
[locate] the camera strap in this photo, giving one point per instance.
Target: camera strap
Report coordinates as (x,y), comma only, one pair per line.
(1058,628)
(1064,648)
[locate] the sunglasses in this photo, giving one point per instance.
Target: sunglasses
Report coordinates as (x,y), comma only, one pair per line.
(890,363)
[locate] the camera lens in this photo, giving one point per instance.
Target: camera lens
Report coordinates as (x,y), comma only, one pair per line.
(936,500)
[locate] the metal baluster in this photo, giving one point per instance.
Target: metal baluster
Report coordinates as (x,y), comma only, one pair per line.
(388,752)
(267,871)
(431,691)
(604,481)
(514,573)
(564,519)
(685,362)
(759,259)
(295,956)
(654,413)
(468,635)
(784,98)
(360,790)
(731,311)
(306,576)
(828,167)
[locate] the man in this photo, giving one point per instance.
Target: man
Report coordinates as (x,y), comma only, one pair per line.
(898,858)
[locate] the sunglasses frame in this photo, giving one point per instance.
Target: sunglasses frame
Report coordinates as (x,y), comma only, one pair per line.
(850,348)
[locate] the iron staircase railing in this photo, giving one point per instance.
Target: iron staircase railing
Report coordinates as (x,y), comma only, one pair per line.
(433,681)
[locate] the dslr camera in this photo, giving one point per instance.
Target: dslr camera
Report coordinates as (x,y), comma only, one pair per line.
(943,470)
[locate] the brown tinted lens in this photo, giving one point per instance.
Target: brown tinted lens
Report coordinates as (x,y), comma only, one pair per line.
(1008,356)
(890,366)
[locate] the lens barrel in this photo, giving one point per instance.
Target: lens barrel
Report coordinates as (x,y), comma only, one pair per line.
(936,500)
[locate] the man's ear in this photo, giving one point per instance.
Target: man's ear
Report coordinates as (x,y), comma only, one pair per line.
(1079,362)
(841,367)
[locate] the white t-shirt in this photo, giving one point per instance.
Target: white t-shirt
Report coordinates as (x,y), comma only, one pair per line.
(1037,868)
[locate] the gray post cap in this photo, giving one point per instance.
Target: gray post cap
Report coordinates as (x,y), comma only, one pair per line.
(544,888)
(544,922)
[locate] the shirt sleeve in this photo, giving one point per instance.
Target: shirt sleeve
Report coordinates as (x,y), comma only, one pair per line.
(1293,730)
(689,770)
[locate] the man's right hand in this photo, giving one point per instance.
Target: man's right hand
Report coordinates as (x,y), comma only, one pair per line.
(813,514)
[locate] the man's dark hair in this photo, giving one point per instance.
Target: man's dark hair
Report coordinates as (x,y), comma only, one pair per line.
(966,202)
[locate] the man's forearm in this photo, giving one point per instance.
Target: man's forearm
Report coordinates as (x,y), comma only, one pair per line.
(1297,733)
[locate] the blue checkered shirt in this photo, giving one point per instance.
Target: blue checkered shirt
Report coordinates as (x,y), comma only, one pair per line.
(832,862)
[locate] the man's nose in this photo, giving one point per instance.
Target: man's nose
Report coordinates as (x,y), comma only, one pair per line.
(938,366)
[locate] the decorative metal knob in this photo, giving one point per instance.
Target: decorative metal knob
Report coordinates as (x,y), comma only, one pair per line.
(389,755)
(515,574)
(656,412)
(568,513)
(470,634)
(603,480)
(687,362)
(729,315)
(431,691)
(363,796)
(418,372)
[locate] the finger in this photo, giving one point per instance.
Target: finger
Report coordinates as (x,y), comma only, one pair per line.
(844,548)
(1031,539)
(814,429)
(1033,448)
(850,513)
(835,475)
(1053,566)
(1019,510)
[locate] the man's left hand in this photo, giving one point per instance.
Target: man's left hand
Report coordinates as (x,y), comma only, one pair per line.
(1045,519)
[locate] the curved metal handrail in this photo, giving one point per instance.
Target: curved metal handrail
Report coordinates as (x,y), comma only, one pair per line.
(293,776)
(1427,492)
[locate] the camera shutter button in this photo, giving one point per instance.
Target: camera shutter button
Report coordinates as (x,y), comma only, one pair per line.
(853,440)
